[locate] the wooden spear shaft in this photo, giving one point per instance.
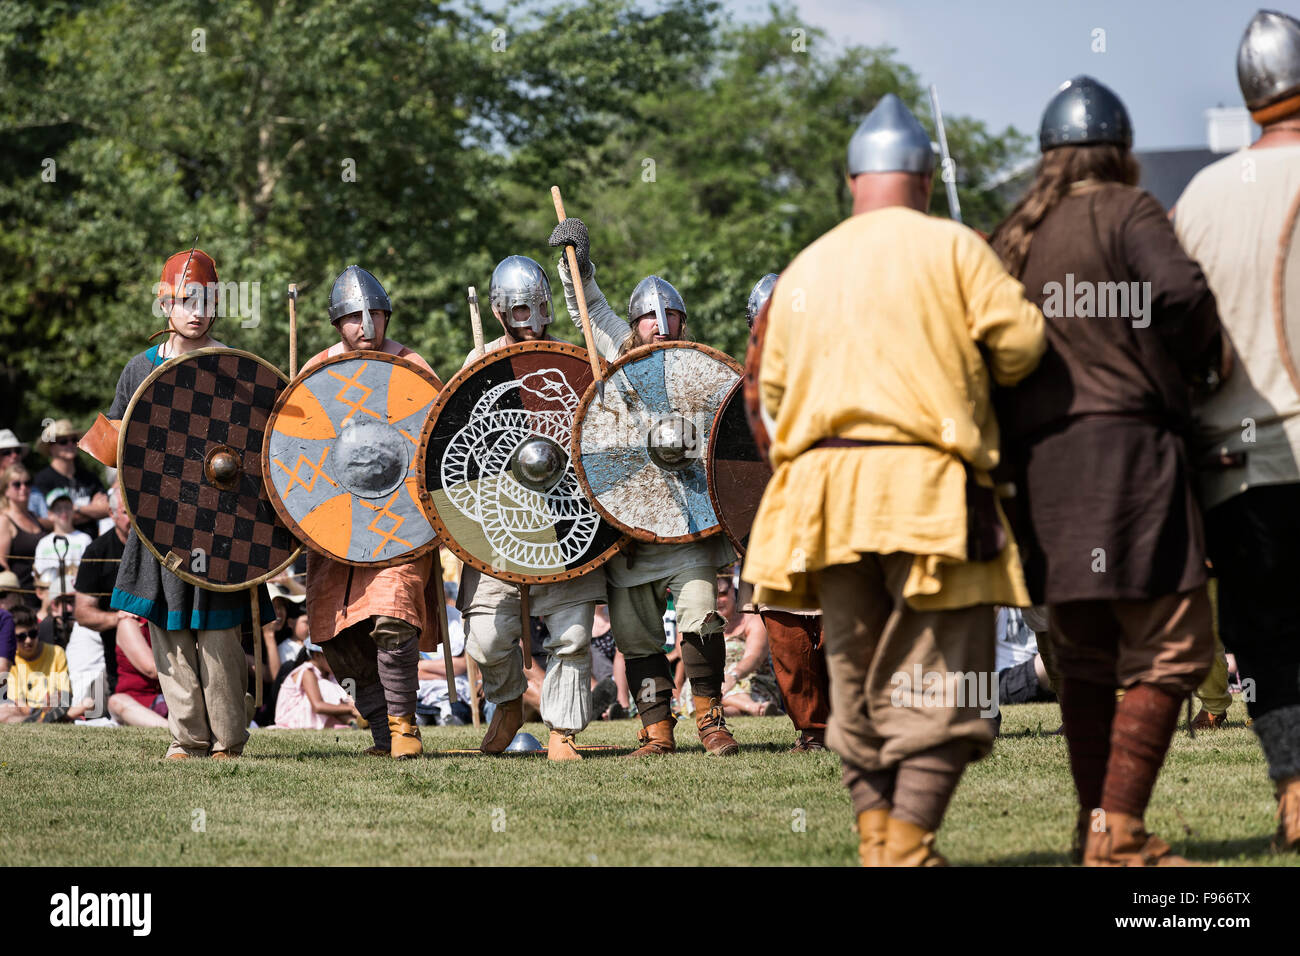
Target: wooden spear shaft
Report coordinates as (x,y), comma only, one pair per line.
(581,296)
(293,330)
(476,324)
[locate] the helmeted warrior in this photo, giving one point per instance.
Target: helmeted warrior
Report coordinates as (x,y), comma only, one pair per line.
(638,579)
(196,632)
(880,507)
(794,636)
(1144,625)
(368,620)
(520,298)
(1229,218)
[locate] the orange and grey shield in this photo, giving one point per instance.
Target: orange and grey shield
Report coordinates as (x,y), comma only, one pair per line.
(340,458)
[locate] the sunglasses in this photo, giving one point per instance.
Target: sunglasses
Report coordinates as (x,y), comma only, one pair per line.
(21,636)
(66,440)
(20,484)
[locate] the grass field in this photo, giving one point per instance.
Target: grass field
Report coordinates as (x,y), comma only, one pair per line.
(95,796)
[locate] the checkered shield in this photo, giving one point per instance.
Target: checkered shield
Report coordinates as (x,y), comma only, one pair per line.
(190,465)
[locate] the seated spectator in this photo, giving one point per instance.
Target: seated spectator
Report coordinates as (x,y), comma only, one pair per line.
(290,621)
(38,687)
(1022,678)
(85,490)
(64,542)
(12,451)
(8,601)
(83,647)
(138,701)
(19,528)
(749,685)
(41,587)
(609,694)
(311,699)
(96,577)
(432,698)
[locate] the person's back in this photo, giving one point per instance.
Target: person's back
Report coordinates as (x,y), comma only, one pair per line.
(894,354)
(1239,253)
(1129,316)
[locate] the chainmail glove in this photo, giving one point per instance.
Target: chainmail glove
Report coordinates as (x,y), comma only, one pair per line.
(572,232)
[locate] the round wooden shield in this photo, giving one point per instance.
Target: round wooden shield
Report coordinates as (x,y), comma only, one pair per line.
(190,463)
(758,419)
(737,472)
(640,455)
(342,452)
(495,474)
(1286,294)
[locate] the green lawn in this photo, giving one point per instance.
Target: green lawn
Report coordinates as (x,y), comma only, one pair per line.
(95,796)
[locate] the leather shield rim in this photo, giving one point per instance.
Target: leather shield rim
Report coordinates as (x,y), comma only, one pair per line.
(407,557)
(1287,243)
(640,534)
(711,468)
(426,498)
(186,576)
(753,392)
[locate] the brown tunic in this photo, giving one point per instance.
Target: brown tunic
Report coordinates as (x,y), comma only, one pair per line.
(1094,438)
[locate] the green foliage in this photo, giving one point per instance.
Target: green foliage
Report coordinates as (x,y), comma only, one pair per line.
(237,121)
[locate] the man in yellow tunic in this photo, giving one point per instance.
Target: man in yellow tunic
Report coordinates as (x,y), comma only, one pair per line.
(881,508)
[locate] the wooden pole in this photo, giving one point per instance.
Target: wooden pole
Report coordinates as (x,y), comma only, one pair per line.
(472,666)
(293,330)
(444,629)
(476,324)
(258,638)
(526,635)
(596,372)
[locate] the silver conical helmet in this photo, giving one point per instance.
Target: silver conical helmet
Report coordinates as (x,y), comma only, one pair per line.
(518,280)
(1268,60)
(761,292)
(890,140)
(356,290)
(653,294)
(1084,111)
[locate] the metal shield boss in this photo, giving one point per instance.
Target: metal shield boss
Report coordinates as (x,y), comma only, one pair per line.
(496,475)
(341,458)
(190,464)
(641,454)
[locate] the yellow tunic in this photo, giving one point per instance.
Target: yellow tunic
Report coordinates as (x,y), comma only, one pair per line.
(875,332)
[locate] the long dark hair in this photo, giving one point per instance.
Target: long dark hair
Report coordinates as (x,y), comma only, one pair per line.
(1058,170)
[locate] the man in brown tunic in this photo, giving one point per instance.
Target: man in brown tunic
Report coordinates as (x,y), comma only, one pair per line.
(1106,516)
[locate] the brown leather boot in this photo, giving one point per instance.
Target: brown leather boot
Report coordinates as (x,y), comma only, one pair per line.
(506,721)
(406,737)
(656,739)
(872,825)
(226,754)
(1124,841)
(562,746)
(1288,816)
(906,844)
(712,728)
(377,751)
(1208,721)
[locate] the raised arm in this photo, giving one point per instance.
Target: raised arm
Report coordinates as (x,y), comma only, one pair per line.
(608,330)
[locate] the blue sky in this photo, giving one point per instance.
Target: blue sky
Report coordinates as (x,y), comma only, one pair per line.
(1001,60)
